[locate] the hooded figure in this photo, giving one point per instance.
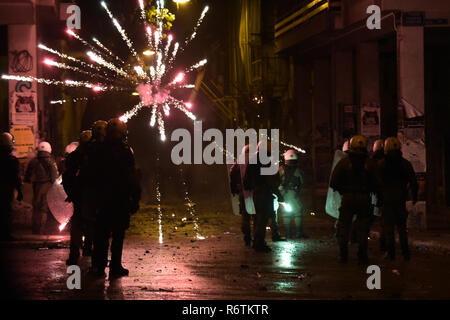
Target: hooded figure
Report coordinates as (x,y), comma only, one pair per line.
(355,181)
(396,175)
(10,181)
(41,173)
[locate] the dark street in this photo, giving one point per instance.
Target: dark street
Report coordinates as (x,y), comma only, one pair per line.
(221,267)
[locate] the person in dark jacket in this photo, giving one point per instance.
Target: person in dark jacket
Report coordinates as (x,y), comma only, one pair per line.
(119,192)
(265,191)
(10,181)
(42,173)
(355,181)
(237,173)
(396,175)
(72,180)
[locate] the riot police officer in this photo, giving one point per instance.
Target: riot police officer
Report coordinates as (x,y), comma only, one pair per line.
(265,189)
(41,172)
(396,175)
(291,183)
(73,182)
(118,195)
(355,181)
(10,181)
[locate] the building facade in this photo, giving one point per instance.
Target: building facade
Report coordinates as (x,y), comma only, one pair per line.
(377,68)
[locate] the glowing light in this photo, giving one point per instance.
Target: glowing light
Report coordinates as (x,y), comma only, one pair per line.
(49,62)
(188,105)
(181,1)
(198,65)
(106,64)
(135,94)
(148,52)
(62,226)
(98,88)
(178,78)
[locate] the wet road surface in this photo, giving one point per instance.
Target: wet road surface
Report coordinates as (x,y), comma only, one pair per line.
(221,267)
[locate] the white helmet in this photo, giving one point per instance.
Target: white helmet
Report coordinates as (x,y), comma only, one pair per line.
(345,146)
(45,146)
(378,145)
(71,147)
(290,155)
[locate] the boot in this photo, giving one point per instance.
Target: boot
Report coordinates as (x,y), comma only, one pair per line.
(117,272)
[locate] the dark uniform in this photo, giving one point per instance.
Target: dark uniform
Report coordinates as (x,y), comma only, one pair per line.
(264,187)
(10,181)
(353,179)
(238,189)
(396,173)
(41,172)
(291,183)
(118,195)
(376,157)
(75,182)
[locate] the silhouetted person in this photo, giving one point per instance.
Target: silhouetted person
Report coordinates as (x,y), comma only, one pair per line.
(10,181)
(396,175)
(118,195)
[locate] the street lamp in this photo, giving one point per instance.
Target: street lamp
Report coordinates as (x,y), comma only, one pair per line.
(148,52)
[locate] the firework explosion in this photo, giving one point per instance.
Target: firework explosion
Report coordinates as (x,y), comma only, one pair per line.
(107,72)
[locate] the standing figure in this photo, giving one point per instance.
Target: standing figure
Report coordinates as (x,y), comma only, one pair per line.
(237,173)
(73,185)
(291,183)
(10,181)
(354,180)
(396,174)
(265,191)
(41,172)
(377,155)
(118,195)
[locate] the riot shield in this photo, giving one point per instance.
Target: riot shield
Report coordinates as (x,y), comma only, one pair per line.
(59,207)
(333,197)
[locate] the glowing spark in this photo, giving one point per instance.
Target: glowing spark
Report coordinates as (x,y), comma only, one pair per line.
(188,105)
(106,64)
(191,208)
(198,65)
(158,198)
(131,113)
(153,118)
(98,43)
(62,226)
(141,73)
(162,131)
(166,109)
(121,31)
(178,78)
(64,56)
(50,81)
(199,22)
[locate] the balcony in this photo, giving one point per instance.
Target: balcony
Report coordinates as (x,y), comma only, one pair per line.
(298,20)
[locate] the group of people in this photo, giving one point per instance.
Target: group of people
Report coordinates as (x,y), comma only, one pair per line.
(99,177)
(101,180)
(365,183)
(259,195)
(386,177)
